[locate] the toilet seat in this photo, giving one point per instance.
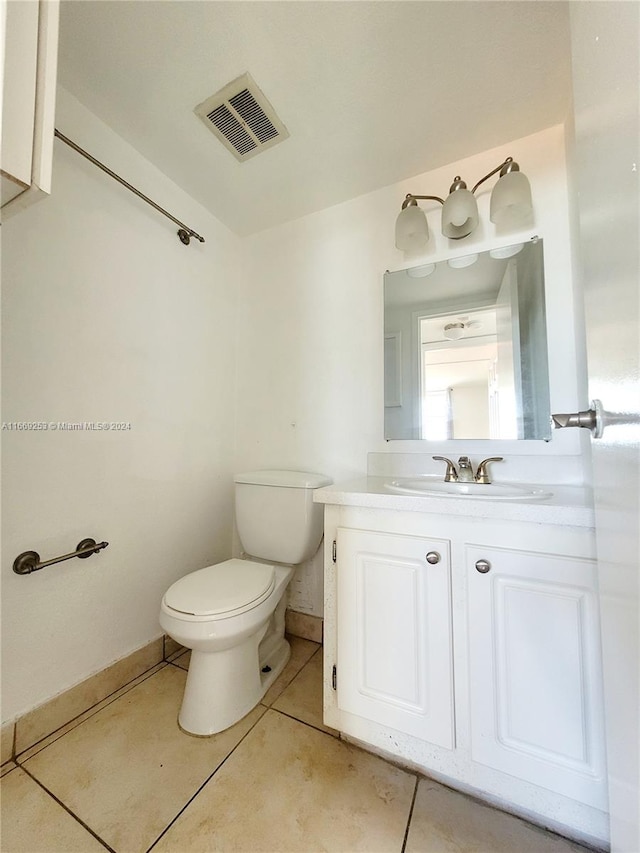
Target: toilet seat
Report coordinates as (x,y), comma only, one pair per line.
(222,590)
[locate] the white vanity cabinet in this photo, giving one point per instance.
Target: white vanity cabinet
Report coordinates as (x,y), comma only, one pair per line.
(487,680)
(534,668)
(29,42)
(395,655)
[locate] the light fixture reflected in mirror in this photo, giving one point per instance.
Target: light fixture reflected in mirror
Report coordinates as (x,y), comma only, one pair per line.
(461,263)
(453,331)
(422,271)
(457,330)
(506,251)
(510,202)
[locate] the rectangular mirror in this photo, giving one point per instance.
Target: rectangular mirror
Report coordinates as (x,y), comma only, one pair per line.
(465,348)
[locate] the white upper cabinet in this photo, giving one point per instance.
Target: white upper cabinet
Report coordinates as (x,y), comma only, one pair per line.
(29,65)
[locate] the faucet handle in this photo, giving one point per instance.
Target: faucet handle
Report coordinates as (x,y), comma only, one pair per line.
(451,475)
(481,474)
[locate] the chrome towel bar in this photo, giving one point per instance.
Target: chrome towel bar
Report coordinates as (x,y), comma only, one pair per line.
(29,561)
(185,233)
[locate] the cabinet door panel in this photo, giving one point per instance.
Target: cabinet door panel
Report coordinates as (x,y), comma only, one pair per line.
(394,633)
(535,670)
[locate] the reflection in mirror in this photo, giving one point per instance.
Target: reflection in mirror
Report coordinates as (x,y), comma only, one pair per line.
(466,348)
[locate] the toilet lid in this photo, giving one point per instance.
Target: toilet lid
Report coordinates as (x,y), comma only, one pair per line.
(232,585)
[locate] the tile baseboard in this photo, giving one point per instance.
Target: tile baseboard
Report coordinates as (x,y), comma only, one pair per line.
(35,725)
(7,735)
(303,625)
(50,716)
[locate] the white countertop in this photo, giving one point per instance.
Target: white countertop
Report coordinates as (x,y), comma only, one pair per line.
(568,505)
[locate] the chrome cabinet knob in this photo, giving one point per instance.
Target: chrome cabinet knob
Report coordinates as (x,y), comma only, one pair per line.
(483,566)
(433,557)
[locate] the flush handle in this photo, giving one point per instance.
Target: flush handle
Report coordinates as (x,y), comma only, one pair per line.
(433,557)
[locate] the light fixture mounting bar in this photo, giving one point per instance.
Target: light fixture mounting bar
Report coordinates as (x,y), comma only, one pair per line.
(508,162)
(412,199)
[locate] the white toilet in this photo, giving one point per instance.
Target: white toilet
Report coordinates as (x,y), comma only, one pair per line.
(232,614)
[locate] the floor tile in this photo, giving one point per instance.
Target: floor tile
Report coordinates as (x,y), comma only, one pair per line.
(32,821)
(42,744)
(288,787)
(445,821)
(44,720)
(171,648)
(128,770)
(302,699)
(182,659)
(7,767)
(301,652)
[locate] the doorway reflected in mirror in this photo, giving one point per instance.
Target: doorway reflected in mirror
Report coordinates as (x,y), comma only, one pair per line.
(467,343)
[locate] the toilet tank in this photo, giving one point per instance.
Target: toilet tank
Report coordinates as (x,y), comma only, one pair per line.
(276,516)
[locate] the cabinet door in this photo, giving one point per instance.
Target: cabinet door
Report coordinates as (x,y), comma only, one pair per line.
(394,632)
(28,102)
(536,708)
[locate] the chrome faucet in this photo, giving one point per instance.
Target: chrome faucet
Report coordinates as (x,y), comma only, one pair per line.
(465,470)
(465,474)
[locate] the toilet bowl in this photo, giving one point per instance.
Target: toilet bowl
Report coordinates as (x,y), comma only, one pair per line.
(231,614)
(231,666)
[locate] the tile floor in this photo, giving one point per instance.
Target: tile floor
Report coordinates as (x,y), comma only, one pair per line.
(123,777)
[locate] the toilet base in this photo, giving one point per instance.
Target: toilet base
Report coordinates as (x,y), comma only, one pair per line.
(223,687)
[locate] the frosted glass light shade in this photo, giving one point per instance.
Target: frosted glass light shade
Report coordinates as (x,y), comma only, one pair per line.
(453,331)
(412,230)
(461,263)
(511,199)
(459,214)
(422,271)
(506,251)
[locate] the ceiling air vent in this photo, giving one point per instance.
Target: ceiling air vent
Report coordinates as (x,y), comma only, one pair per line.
(242,118)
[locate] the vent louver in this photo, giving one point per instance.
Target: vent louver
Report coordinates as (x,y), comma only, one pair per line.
(242,118)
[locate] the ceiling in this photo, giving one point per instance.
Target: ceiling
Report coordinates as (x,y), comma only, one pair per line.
(370,92)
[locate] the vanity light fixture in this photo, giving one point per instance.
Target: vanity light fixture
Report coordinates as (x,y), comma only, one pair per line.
(510,201)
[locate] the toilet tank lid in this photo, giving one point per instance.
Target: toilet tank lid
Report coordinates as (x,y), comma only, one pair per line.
(285,479)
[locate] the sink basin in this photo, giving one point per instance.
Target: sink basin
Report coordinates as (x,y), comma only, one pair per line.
(480,491)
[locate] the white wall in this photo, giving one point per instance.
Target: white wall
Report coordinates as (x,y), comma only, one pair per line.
(311,320)
(310,365)
(108,317)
